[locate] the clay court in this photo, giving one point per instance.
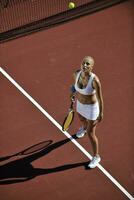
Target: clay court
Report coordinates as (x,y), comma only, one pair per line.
(39,161)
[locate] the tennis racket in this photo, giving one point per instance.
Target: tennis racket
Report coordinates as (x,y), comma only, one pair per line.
(69,118)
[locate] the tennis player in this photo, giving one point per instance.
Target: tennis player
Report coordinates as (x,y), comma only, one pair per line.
(89,104)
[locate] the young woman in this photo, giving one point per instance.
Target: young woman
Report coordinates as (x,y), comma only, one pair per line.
(89,104)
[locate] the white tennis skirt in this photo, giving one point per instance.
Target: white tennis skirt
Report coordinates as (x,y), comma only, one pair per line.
(89,111)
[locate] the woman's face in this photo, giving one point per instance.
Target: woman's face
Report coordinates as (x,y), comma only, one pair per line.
(87,64)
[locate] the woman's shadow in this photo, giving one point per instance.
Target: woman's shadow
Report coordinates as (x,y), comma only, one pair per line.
(22,170)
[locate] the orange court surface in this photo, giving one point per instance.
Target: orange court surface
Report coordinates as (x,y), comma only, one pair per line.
(36,72)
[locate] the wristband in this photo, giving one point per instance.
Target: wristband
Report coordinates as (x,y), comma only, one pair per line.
(72,88)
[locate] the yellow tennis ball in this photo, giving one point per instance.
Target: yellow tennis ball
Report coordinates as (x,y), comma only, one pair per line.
(71,5)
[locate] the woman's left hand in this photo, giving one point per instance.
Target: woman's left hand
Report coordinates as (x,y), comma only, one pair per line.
(99,119)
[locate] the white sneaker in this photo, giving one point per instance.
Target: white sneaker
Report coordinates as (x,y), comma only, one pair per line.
(94,162)
(81,132)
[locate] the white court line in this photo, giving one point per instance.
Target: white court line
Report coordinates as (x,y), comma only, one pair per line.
(66,133)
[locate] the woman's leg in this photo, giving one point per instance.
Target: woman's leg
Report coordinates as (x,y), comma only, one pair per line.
(91,128)
(82,130)
(83,121)
(94,142)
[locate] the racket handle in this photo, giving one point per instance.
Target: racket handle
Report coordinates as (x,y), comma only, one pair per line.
(71,106)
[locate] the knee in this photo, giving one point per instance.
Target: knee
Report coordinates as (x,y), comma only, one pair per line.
(91,135)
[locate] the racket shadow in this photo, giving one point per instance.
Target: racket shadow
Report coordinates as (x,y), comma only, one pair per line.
(21,170)
(32,149)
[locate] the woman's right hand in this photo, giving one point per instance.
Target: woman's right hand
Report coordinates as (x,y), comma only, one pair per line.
(72,97)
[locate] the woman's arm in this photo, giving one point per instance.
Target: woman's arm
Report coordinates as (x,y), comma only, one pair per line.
(72,87)
(73,91)
(97,86)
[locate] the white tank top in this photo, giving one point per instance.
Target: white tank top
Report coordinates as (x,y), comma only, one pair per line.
(88,90)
